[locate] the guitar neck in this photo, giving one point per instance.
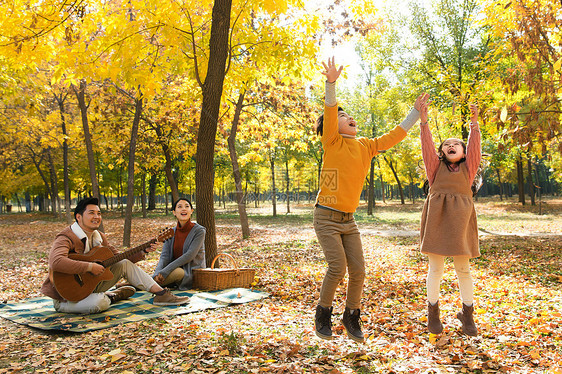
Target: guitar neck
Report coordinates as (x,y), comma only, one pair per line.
(127,254)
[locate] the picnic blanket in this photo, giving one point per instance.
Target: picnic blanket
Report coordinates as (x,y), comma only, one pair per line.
(39,312)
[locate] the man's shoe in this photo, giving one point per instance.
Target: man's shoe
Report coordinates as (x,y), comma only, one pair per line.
(323,322)
(352,326)
(169,298)
(121,293)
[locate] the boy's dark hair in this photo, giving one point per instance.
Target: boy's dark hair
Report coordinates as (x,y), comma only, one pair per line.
(320,123)
(82,204)
(178,200)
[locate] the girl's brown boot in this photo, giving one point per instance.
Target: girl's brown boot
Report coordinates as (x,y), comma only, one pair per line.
(434,324)
(468,325)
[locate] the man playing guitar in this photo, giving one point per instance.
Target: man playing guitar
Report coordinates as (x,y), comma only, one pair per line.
(80,238)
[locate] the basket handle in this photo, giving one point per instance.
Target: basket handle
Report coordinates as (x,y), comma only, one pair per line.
(224,254)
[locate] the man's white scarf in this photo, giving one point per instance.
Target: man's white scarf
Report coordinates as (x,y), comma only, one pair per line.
(96,237)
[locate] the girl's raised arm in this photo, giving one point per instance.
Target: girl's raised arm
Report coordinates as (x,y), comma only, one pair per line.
(429,154)
(474,147)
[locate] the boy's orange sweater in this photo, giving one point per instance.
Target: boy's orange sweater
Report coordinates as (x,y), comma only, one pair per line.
(347,162)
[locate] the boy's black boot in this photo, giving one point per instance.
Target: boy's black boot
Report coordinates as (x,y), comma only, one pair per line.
(468,325)
(434,325)
(352,326)
(323,322)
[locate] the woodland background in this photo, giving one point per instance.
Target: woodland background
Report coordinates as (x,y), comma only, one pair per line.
(139,102)
(129,100)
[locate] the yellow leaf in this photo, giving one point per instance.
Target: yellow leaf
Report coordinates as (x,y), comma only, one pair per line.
(535,354)
(503,114)
(270,360)
(557,65)
(480,311)
(115,352)
(432,338)
(117,357)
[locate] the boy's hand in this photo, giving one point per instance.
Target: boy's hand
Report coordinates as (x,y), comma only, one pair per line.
(474,113)
(330,71)
(422,99)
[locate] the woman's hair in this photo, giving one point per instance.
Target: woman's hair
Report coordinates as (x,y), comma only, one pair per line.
(178,200)
(320,123)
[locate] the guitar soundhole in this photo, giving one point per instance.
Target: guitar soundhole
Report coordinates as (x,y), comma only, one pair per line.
(78,279)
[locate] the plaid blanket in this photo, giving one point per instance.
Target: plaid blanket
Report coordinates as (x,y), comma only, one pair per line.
(39,312)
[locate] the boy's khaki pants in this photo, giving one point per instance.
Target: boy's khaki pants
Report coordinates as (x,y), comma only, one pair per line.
(340,240)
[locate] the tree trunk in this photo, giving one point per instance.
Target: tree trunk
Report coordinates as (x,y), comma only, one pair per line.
(539,190)
(383,197)
(530,179)
(371,199)
(500,183)
(81,97)
(273,189)
(168,165)
(60,101)
(520,180)
(397,179)
(54,183)
(131,174)
(212,91)
(37,164)
(287,181)
(143,195)
(152,191)
(236,168)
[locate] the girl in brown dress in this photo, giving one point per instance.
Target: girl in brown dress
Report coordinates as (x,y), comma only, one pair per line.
(448,222)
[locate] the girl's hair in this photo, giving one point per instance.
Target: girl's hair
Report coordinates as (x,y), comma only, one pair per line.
(178,200)
(320,123)
(442,155)
(478,179)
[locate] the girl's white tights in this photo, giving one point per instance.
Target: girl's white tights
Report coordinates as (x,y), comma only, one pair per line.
(435,274)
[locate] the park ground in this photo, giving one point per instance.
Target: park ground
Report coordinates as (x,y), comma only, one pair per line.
(518,300)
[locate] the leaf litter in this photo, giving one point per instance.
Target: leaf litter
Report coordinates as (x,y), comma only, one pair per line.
(518,311)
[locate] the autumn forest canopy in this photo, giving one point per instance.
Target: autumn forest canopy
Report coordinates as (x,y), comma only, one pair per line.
(119,99)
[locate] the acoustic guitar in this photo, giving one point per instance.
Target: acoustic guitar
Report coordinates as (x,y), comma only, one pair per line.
(75,287)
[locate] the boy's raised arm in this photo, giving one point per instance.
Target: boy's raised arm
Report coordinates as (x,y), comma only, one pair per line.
(332,74)
(330,122)
(414,114)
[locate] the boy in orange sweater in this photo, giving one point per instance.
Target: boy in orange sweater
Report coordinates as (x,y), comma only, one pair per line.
(347,160)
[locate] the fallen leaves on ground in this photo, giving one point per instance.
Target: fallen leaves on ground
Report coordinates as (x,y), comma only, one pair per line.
(518,300)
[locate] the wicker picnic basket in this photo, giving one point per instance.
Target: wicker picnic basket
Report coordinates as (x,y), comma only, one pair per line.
(212,279)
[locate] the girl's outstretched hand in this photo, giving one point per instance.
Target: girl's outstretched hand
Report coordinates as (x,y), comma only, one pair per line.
(422,105)
(474,111)
(330,71)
